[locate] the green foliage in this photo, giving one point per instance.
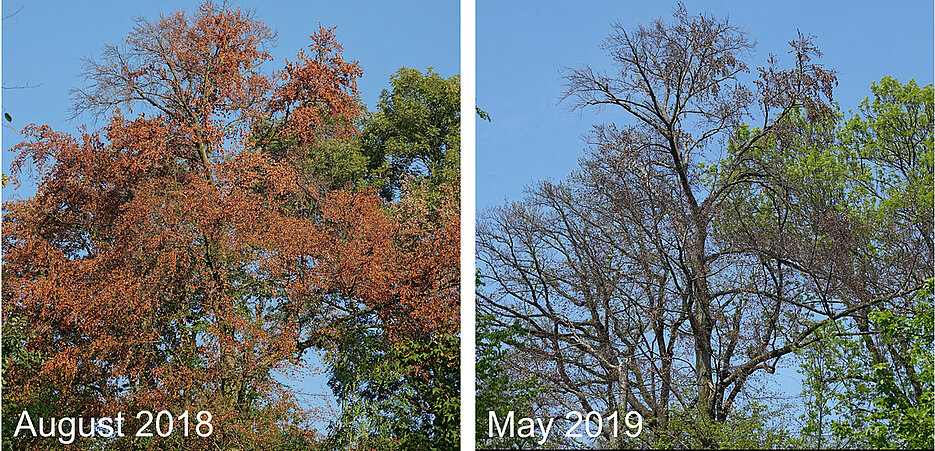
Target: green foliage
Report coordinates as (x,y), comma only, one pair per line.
(405,396)
(823,387)
(402,394)
(42,401)
(498,390)
(856,192)
(893,130)
(876,389)
(752,426)
(330,163)
(434,372)
(417,127)
(855,400)
(875,167)
(344,163)
(904,401)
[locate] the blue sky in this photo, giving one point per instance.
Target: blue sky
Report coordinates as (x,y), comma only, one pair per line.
(44,42)
(522,46)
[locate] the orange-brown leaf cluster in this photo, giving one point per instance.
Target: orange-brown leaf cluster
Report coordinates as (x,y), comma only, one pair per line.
(165,262)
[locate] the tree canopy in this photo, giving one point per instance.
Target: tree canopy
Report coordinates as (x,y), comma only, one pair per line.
(188,253)
(719,224)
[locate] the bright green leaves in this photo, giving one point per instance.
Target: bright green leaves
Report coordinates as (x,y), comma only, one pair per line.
(894,126)
(872,171)
(891,138)
(340,164)
(903,391)
(825,369)
(857,400)
(851,196)
(434,371)
(752,426)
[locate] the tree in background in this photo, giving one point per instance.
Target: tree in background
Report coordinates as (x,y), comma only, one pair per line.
(399,382)
(417,128)
(675,268)
(405,393)
(874,388)
(854,401)
(183,257)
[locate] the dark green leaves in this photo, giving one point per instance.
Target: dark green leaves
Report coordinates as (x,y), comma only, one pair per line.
(417,127)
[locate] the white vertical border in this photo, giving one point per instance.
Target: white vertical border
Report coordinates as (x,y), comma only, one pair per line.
(468,115)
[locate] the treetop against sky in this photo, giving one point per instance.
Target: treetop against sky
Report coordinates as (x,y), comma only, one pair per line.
(44,43)
(678,266)
(223,216)
(521,52)
(526,59)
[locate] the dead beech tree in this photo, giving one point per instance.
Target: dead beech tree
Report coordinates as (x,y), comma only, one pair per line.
(632,296)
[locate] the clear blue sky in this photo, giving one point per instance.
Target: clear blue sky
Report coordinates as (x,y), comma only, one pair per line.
(521,47)
(44,42)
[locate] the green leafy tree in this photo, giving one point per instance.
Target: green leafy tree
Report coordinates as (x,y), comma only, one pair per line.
(855,401)
(500,387)
(417,128)
(392,394)
(754,426)
(327,164)
(404,394)
(852,199)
